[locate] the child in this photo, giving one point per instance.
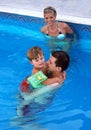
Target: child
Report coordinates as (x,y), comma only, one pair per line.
(36,57)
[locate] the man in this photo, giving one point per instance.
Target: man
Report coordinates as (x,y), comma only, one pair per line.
(57,64)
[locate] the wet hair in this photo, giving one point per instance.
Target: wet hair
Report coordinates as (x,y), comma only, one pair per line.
(62,59)
(34,53)
(50,9)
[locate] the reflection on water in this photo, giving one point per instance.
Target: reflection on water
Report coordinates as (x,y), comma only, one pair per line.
(54,43)
(30,105)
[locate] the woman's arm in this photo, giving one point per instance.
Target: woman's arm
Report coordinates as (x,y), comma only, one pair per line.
(44,29)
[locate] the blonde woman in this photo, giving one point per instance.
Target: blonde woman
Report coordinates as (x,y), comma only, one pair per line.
(57,31)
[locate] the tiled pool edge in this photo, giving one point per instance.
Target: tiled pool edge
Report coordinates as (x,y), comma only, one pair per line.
(72,19)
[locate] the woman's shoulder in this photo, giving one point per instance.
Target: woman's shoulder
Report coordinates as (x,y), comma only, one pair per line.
(65,27)
(62,24)
(44,29)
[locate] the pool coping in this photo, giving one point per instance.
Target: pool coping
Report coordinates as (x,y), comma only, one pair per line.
(66,18)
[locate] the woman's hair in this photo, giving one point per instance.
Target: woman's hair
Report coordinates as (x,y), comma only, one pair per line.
(34,53)
(50,9)
(62,59)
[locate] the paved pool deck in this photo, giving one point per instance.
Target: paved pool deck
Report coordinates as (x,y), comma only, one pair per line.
(68,10)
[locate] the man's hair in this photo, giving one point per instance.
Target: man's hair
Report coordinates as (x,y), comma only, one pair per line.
(62,59)
(34,53)
(50,9)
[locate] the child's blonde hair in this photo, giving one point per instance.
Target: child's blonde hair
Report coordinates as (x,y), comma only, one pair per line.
(34,53)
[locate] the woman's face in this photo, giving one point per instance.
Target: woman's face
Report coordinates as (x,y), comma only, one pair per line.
(49,18)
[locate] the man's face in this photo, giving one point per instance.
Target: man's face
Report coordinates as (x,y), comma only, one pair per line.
(51,64)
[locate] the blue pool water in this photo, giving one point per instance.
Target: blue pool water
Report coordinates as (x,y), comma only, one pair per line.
(69,108)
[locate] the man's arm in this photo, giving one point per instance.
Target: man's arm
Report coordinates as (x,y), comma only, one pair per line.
(52,80)
(59,80)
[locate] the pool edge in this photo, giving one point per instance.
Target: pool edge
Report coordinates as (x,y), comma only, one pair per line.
(66,18)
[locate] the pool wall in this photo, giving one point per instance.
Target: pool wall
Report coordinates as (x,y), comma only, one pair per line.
(26,21)
(72,11)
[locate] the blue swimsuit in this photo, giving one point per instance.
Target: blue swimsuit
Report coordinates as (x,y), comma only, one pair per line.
(60,36)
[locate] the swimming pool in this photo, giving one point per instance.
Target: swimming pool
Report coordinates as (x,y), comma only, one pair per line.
(70,107)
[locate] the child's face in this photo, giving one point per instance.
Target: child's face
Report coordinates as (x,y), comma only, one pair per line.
(39,62)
